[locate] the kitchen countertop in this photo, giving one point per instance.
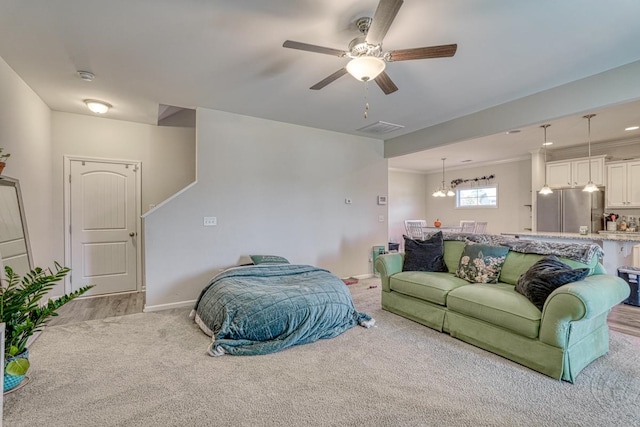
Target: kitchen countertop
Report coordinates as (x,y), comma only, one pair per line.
(620,236)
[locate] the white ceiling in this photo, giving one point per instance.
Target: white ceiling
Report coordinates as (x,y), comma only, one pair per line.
(228,55)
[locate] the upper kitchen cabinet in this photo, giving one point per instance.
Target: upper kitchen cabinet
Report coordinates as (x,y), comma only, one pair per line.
(623,185)
(575,173)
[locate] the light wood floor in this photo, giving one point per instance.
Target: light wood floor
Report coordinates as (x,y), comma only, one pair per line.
(626,319)
(92,308)
(623,318)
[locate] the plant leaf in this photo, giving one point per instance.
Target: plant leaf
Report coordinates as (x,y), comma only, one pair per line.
(17,367)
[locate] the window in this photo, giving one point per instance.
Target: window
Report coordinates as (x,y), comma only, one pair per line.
(478,197)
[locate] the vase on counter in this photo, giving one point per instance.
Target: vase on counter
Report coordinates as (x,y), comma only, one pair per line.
(437,223)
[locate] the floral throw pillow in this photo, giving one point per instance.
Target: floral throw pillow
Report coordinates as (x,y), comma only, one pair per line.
(481,263)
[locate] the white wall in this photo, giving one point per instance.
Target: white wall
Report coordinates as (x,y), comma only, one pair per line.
(514,192)
(275,188)
(167,155)
(25,133)
(407,200)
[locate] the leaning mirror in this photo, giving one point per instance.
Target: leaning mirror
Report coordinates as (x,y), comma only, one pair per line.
(14,239)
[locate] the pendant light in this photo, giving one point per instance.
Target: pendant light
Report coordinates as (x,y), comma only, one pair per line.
(590,187)
(443,191)
(546,189)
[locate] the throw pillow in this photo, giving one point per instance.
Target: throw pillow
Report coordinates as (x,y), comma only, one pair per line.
(268,259)
(545,276)
(481,263)
(424,255)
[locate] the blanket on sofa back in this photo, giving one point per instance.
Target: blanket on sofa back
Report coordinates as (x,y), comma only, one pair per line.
(582,252)
(265,308)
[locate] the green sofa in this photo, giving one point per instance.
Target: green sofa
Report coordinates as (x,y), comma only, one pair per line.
(569,333)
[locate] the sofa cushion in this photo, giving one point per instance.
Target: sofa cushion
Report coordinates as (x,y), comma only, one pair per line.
(452,253)
(428,286)
(498,304)
(481,263)
(518,263)
(545,276)
(424,255)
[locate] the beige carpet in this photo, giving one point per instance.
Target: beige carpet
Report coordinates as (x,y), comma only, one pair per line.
(152,370)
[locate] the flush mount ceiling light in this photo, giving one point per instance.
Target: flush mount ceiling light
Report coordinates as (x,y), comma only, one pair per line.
(366,68)
(443,191)
(546,189)
(98,107)
(590,187)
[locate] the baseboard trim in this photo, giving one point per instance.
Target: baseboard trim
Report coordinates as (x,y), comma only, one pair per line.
(361,276)
(160,307)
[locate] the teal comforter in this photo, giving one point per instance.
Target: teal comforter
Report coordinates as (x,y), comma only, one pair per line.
(266,308)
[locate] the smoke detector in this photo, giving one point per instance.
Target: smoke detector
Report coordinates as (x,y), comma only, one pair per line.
(87,76)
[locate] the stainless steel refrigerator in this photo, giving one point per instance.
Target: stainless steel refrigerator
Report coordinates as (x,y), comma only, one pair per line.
(567,209)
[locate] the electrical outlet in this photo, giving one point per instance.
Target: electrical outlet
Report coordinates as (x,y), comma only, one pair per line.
(210,221)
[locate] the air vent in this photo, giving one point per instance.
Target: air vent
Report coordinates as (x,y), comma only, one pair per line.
(380,128)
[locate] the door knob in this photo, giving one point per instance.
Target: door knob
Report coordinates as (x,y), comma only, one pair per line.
(132,234)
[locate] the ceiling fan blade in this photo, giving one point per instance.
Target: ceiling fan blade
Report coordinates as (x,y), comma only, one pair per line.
(313,48)
(442,51)
(385,83)
(335,76)
(382,20)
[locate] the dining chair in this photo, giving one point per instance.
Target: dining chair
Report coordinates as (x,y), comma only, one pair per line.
(481,227)
(467,226)
(415,228)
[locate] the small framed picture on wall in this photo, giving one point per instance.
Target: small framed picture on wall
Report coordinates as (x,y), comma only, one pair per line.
(382,200)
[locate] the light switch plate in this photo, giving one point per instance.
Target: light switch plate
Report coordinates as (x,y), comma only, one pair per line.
(210,221)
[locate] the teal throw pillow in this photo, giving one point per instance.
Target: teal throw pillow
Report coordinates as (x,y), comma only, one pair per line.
(481,263)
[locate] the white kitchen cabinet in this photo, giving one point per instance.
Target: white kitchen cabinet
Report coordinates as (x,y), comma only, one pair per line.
(580,171)
(623,185)
(575,173)
(559,174)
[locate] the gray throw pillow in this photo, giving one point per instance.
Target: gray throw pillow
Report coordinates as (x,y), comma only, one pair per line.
(424,255)
(545,276)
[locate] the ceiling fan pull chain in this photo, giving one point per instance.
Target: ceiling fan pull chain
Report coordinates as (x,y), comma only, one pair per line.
(366,101)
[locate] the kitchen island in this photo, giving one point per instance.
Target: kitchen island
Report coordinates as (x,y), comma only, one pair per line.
(618,246)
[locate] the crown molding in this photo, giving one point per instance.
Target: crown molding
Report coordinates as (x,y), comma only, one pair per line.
(597,148)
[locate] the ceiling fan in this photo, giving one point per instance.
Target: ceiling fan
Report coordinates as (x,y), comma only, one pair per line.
(368,60)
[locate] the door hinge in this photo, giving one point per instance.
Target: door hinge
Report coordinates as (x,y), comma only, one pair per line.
(69,228)
(69,177)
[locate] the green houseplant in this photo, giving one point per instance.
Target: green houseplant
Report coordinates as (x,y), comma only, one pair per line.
(3,159)
(23,314)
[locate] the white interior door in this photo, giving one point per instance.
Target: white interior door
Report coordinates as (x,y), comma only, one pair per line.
(103,226)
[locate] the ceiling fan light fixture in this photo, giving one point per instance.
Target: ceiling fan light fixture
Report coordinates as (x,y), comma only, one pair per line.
(98,107)
(366,68)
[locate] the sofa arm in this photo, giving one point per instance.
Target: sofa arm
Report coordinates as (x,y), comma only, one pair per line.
(586,299)
(388,265)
